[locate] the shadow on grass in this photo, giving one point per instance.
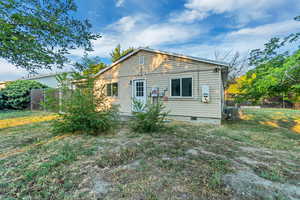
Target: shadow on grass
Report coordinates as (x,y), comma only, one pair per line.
(271,119)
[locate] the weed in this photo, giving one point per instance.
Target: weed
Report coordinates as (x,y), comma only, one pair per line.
(270,173)
(148,118)
(111,159)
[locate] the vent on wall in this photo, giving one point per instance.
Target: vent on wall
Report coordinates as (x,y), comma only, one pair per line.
(193,118)
(141,60)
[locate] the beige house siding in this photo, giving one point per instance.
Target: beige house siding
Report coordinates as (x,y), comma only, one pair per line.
(158,70)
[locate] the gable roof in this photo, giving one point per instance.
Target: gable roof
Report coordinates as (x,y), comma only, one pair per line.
(220,63)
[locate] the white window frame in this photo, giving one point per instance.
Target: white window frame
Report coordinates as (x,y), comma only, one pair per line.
(180,78)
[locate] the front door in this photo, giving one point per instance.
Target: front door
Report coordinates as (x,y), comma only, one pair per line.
(139,93)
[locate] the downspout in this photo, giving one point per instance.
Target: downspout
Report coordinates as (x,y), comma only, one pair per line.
(198,85)
(221,92)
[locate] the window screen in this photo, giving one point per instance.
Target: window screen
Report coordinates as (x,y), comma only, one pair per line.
(175,90)
(186,87)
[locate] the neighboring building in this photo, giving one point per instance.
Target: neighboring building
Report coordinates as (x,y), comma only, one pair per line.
(46,79)
(191,88)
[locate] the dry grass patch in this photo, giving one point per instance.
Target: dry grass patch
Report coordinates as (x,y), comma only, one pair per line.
(184,162)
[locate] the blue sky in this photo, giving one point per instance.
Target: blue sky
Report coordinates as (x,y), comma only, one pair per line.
(193,27)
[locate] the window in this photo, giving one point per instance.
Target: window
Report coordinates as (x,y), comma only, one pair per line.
(112,89)
(139,89)
(115,89)
(186,87)
(181,87)
(108,90)
(175,85)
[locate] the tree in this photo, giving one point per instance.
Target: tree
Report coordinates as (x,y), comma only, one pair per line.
(86,62)
(85,110)
(88,66)
(17,93)
(117,53)
(272,48)
(277,77)
(276,71)
(238,65)
(39,34)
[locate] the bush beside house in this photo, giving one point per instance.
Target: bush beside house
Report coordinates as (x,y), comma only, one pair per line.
(16,94)
(84,110)
(149,117)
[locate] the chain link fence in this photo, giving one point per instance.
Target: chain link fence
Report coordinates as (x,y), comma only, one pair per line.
(40,99)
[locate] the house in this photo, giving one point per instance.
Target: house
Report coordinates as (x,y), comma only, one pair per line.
(46,79)
(191,88)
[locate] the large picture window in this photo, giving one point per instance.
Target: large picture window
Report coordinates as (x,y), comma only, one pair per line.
(112,89)
(181,87)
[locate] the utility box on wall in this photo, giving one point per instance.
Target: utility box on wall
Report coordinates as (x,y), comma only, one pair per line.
(205,93)
(154,92)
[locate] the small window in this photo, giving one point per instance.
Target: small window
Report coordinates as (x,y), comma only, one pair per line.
(181,87)
(141,60)
(112,89)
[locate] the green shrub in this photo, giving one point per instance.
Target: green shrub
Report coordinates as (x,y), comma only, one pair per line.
(149,117)
(17,93)
(2,101)
(51,100)
(85,111)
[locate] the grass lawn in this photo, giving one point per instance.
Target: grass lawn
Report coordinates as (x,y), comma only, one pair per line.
(257,157)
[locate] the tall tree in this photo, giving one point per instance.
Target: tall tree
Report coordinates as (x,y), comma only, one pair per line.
(88,66)
(238,65)
(86,62)
(272,48)
(117,53)
(276,72)
(36,34)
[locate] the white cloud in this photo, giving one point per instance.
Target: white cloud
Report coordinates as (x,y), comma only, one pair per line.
(119,3)
(9,71)
(188,16)
(139,30)
(123,24)
(244,10)
(268,30)
(161,34)
(136,31)
(241,41)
